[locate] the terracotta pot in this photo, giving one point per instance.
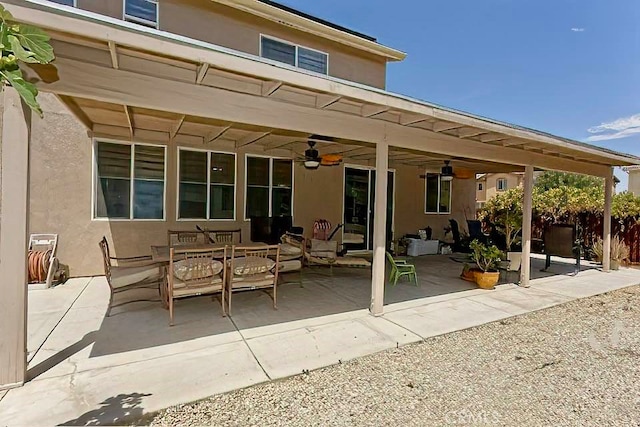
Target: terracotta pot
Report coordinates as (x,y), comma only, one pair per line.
(487,280)
(469,275)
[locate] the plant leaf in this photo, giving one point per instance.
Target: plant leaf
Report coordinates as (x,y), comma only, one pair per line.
(25,89)
(19,52)
(5,15)
(36,41)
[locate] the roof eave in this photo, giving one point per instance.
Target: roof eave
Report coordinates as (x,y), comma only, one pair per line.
(307,25)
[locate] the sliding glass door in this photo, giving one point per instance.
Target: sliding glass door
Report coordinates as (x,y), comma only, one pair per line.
(359,199)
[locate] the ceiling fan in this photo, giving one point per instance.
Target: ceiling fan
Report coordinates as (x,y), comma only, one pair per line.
(447,173)
(312,158)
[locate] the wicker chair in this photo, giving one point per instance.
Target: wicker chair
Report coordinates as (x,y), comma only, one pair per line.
(227,237)
(129,273)
(251,268)
(195,272)
(183,237)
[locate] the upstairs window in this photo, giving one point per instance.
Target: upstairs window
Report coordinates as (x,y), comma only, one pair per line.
(292,54)
(501,184)
(479,186)
(437,194)
(143,12)
(71,3)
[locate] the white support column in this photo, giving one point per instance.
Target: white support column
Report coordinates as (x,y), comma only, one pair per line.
(13,239)
(606,232)
(527,213)
(379,229)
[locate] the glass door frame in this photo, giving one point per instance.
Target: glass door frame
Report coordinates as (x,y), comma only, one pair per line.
(369,169)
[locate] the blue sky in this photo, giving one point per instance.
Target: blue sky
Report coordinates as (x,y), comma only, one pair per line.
(568,67)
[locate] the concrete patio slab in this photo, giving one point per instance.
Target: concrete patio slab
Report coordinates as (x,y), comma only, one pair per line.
(99,370)
(446,316)
(307,348)
(520,300)
(107,395)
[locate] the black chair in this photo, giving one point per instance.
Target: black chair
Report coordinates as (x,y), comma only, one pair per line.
(561,240)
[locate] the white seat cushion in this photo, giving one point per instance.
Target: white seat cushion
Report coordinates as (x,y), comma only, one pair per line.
(290,250)
(125,276)
(252,265)
(252,281)
(193,270)
(292,265)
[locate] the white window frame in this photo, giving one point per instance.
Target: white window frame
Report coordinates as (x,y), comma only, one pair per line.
(246,183)
(501,187)
(136,20)
(208,209)
(75,3)
(94,181)
(439,189)
(297,47)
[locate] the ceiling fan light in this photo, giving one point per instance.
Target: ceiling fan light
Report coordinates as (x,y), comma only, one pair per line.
(447,178)
(311,164)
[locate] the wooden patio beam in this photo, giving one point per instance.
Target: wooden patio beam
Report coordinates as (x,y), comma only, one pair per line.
(127,113)
(212,136)
(270,87)
(77,112)
(113,51)
(83,79)
(251,139)
(201,72)
(175,129)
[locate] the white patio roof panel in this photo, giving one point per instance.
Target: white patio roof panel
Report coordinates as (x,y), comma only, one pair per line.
(89,43)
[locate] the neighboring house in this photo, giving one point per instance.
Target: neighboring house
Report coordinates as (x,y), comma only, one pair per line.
(488,185)
(634,179)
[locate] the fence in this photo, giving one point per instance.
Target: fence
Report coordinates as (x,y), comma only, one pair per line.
(590,227)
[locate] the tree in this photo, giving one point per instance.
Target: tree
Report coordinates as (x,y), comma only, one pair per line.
(550,180)
(22,44)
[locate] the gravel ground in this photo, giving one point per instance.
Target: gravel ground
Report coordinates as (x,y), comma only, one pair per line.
(575,364)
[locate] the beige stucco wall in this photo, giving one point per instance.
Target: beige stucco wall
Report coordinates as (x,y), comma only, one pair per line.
(61,187)
(634,181)
(225,26)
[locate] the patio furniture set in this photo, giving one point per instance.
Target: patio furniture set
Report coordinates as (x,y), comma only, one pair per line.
(196,263)
(205,262)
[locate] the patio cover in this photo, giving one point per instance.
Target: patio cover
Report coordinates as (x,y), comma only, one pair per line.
(127,81)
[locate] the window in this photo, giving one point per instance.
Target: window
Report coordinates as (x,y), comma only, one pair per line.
(298,56)
(501,184)
(269,187)
(129,181)
(143,12)
(437,194)
(207,185)
(71,3)
(479,186)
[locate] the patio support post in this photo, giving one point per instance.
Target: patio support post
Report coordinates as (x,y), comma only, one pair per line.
(14,189)
(379,229)
(606,232)
(527,216)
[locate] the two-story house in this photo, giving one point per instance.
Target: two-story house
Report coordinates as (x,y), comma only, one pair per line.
(131,172)
(172,114)
(488,185)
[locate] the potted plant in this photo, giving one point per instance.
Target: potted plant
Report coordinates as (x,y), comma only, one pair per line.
(469,273)
(488,259)
(619,252)
(505,212)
